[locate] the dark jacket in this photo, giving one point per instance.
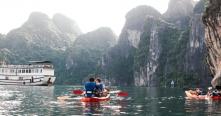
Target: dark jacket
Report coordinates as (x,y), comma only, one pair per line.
(89,89)
(99,87)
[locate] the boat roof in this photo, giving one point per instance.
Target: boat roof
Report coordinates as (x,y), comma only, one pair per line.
(41,62)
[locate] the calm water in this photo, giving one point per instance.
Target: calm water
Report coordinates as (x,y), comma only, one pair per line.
(37,100)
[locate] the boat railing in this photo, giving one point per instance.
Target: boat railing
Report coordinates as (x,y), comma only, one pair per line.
(26,66)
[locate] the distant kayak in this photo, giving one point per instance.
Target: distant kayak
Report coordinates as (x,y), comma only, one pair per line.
(95,99)
(215,97)
(118,93)
(200,97)
(194,96)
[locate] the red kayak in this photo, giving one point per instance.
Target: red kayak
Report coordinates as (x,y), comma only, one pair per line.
(201,97)
(95,99)
(216,97)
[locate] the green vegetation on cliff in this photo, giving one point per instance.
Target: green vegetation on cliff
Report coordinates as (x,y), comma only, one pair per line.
(84,58)
(172,58)
(142,52)
(151,48)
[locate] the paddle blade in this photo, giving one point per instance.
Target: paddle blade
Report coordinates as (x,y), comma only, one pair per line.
(122,94)
(63,97)
(78,92)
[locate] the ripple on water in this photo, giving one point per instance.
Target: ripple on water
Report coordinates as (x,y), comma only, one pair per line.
(8,94)
(163,107)
(144,101)
(139,106)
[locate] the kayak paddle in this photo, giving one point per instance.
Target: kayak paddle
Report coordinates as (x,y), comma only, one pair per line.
(119,93)
(63,97)
(78,92)
(122,94)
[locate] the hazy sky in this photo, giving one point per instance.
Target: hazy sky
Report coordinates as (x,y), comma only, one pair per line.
(89,14)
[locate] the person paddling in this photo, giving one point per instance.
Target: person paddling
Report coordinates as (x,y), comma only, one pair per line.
(217,91)
(199,91)
(99,88)
(90,88)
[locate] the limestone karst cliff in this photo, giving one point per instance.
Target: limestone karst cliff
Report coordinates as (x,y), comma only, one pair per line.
(211,19)
(40,38)
(75,55)
(152,50)
(40,29)
(84,57)
(157,48)
(196,48)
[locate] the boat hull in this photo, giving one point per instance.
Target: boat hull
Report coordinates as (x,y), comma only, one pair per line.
(95,99)
(27,81)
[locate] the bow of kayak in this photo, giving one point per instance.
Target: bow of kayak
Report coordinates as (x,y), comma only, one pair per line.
(95,99)
(194,96)
(201,97)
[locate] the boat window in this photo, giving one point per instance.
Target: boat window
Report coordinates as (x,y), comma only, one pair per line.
(29,71)
(11,71)
(41,71)
(36,70)
(26,70)
(23,71)
(19,71)
(20,78)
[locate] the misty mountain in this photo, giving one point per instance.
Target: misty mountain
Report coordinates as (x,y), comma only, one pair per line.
(40,30)
(38,38)
(152,50)
(67,26)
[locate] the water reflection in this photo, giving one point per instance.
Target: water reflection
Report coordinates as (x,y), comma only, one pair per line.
(142,101)
(202,107)
(22,99)
(92,108)
(112,107)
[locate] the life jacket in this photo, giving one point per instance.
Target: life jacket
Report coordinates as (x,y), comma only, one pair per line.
(99,89)
(89,89)
(216,93)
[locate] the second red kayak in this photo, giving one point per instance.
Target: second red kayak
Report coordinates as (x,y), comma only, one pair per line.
(201,97)
(194,96)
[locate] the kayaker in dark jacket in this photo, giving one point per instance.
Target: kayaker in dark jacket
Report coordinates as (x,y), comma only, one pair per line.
(90,88)
(99,88)
(199,91)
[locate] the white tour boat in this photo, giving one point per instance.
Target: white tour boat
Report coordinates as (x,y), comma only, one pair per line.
(35,73)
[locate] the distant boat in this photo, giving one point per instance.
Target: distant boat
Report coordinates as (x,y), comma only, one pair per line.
(33,74)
